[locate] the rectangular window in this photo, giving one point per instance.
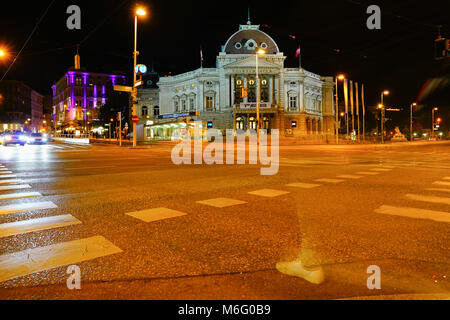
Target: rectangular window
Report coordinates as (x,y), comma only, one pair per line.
(175,104)
(191,104)
(183,105)
(292,103)
(209,103)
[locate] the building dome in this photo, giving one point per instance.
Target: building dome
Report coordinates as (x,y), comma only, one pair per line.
(249,38)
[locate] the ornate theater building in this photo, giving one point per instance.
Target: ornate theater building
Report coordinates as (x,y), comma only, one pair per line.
(296,101)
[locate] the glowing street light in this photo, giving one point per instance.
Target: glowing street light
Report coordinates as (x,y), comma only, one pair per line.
(411,121)
(258,98)
(139,12)
(384,93)
(2,53)
(340,77)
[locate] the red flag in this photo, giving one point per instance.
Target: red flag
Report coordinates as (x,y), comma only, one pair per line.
(297,53)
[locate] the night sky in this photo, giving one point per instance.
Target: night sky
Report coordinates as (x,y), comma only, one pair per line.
(332,34)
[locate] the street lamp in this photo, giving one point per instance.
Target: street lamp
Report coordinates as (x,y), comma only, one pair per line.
(384,93)
(139,12)
(258,98)
(2,53)
(411,122)
(340,77)
(432,120)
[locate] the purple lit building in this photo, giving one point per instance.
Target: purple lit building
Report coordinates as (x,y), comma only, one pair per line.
(78,96)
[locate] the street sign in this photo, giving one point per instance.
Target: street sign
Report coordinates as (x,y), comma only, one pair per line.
(123,88)
(135,119)
(179,115)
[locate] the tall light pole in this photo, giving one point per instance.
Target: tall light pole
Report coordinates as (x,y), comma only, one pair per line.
(411,122)
(384,93)
(258,98)
(337,125)
(139,12)
(432,121)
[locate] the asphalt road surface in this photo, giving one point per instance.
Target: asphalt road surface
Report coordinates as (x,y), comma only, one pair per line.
(140,227)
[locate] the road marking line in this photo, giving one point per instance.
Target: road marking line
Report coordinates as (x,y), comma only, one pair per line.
(20,195)
(221,202)
(381,169)
(15,187)
(428,198)
(415,213)
(7,176)
(303,185)
(438,189)
(5,171)
(30,261)
(30,206)
(10,181)
(442,183)
(330,180)
(32,225)
(155,214)
(349,176)
(368,173)
(269,193)
(83,168)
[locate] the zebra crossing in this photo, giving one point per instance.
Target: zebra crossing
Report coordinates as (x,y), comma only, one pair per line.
(37,259)
(419,202)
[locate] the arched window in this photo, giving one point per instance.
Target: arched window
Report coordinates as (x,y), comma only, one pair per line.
(144,111)
(156,111)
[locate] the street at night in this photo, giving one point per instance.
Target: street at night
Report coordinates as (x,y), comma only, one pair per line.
(340,208)
(224,160)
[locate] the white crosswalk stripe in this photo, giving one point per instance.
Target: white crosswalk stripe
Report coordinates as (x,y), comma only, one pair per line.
(431,199)
(19,195)
(30,206)
(39,224)
(415,213)
(34,260)
(15,187)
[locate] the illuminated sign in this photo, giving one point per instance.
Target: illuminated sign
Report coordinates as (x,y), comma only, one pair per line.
(179,115)
(140,68)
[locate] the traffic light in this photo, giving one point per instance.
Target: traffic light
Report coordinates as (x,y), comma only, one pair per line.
(438,120)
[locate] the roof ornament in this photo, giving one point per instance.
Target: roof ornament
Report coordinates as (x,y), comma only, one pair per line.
(248,21)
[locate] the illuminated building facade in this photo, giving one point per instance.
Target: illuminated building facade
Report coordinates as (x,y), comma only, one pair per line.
(78,96)
(297,102)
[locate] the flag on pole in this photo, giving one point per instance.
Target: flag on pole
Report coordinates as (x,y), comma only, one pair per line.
(299,56)
(297,53)
(201,56)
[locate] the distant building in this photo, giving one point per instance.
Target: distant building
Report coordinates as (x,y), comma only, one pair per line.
(147,105)
(18,103)
(78,96)
(297,102)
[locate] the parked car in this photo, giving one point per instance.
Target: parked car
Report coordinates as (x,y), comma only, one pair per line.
(14,137)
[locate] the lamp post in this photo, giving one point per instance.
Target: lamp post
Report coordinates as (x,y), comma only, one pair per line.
(139,12)
(258,98)
(411,122)
(432,121)
(337,124)
(384,93)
